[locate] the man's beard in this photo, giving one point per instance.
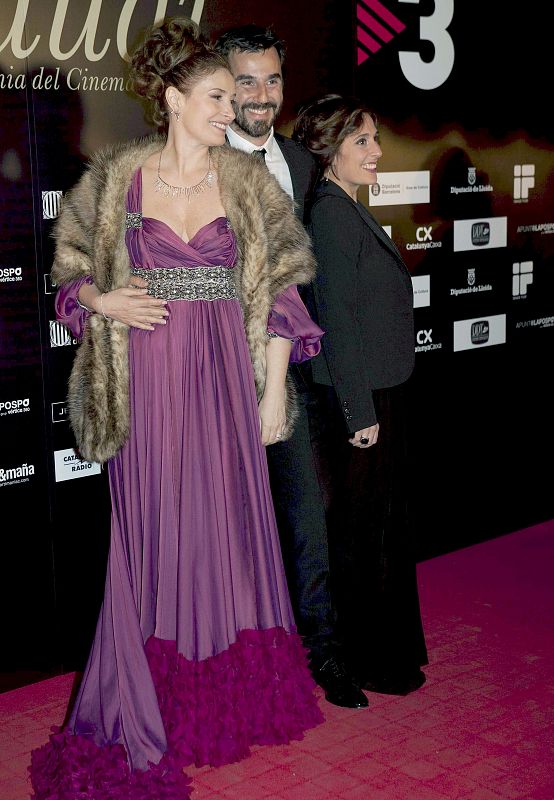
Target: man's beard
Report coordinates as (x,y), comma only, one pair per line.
(255,128)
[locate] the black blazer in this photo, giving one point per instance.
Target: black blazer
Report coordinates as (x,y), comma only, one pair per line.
(362,297)
(303,172)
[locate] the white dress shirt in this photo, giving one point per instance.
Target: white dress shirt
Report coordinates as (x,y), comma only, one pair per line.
(274,158)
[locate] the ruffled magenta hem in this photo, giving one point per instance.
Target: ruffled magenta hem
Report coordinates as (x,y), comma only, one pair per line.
(259,691)
(74,768)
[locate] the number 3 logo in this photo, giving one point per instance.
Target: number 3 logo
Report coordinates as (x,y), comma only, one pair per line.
(431,74)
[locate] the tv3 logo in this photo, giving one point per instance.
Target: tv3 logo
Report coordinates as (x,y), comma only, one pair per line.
(378,26)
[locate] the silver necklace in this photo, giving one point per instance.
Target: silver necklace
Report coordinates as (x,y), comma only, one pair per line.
(184,191)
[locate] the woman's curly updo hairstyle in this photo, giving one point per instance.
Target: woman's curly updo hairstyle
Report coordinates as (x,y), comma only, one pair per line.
(173,53)
(323,124)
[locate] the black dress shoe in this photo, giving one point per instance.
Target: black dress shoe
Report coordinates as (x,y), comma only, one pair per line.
(400,684)
(339,687)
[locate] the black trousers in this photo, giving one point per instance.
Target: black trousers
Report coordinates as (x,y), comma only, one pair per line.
(372,561)
(300,510)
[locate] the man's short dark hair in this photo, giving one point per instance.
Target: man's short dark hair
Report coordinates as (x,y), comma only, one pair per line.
(249,39)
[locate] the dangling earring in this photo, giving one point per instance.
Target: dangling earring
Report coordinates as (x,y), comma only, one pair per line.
(176,114)
(329,171)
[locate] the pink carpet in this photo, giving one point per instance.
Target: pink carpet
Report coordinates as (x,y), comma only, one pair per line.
(482,728)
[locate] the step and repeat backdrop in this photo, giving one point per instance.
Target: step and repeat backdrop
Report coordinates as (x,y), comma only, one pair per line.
(465,190)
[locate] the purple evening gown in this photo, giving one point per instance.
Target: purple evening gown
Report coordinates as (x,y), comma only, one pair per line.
(196,656)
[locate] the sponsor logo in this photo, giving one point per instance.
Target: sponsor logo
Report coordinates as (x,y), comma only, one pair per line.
(472,184)
(12,475)
(423,233)
(472,287)
(421,285)
(49,286)
(424,237)
(60,335)
(524,179)
(377,26)
(59,411)
(11,274)
(522,277)
(480,332)
(51,204)
(480,234)
(540,322)
(400,188)
(68,465)
(20,406)
(539,227)
(371,32)
(424,341)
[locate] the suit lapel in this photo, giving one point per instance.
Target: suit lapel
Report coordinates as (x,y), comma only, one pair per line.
(298,189)
(368,218)
(289,156)
(300,181)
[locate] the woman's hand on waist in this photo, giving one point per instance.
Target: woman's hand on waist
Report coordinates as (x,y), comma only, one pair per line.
(133,306)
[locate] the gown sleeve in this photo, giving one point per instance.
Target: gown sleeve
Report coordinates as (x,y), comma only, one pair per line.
(289,319)
(69,310)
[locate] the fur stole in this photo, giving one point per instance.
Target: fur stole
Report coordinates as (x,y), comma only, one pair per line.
(274,251)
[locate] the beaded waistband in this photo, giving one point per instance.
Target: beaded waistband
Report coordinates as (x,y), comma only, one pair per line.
(189,283)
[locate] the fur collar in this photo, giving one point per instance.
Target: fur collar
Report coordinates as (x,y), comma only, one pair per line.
(274,251)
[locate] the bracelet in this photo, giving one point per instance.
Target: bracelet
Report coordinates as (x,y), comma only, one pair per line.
(102,305)
(82,305)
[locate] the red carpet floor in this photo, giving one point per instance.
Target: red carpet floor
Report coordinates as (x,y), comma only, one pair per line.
(482,727)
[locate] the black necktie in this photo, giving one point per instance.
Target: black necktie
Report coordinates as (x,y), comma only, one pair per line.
(260,154)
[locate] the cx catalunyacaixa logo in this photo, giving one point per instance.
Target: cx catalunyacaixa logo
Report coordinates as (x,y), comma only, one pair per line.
(377,26)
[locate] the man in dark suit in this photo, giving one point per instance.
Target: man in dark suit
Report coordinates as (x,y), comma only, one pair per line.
(255,57)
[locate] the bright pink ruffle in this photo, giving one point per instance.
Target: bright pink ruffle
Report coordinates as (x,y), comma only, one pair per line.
(259,691)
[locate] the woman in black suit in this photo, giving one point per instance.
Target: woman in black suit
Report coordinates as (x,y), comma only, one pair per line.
(362,298)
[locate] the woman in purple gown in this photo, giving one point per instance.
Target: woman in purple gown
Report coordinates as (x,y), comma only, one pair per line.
(178,261)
